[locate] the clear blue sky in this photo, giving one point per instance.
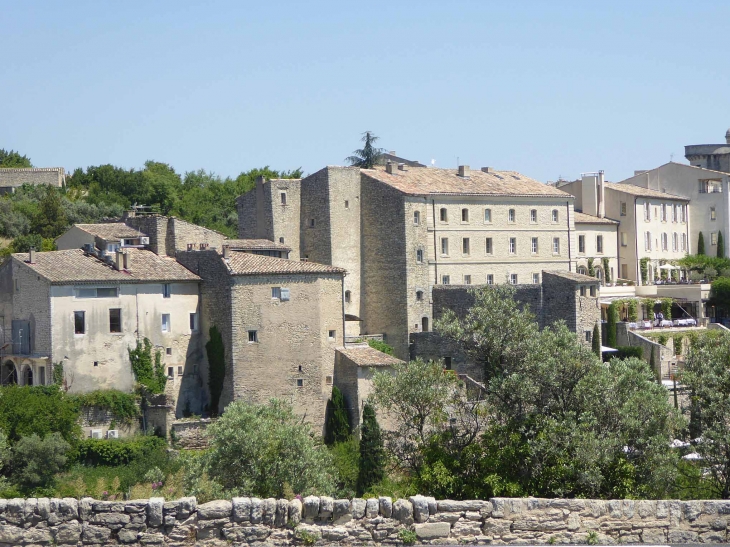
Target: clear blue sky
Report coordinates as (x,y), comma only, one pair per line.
(545,88)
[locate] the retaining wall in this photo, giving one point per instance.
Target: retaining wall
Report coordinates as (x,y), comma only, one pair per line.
(252,521)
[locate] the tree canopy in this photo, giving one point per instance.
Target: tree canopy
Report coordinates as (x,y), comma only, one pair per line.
(11,158)
(368,156)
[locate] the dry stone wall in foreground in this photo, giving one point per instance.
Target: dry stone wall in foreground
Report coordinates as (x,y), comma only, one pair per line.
(321,521)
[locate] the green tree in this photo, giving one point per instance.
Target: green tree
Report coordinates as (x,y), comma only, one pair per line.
(372,452)
(12,159)
(36,460)
(720,293)
(368,156)
(337,426)
(216,352)
(606,270)
(257,450)
(164,186)
(51,221)
(720,245)
(707,377)
(700,244)
(611,325)
(149,373)
(596,341)
(25,410)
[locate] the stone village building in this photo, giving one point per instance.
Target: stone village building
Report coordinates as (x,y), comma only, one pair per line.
(15,177)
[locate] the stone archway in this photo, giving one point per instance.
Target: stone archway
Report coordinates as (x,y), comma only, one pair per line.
(8,374)
(28,375)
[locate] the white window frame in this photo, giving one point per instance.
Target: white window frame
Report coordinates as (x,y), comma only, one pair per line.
(444,246)
(487,216)
(166,325)
(490,279)
(511,216)
(533,216)
(512,246)
(555,216)
(489,246)
(534,246)
(556,245)
(513,279)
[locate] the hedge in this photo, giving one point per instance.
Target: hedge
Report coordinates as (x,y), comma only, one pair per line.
(624,352)
(116,451)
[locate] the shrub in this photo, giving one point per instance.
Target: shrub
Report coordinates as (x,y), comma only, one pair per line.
(25,410)
(596,341)
(346,462)
(337,426)
(122,405)
(116,451)
(256,449)
(380,346)
(36,460)
(625,352)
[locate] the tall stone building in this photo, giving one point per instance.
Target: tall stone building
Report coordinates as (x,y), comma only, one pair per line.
(710,156)
(398,231)
(12,178)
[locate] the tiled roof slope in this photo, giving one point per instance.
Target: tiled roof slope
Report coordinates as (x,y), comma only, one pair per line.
(250,264)
(256,245)
(640,191)
(424,181)
(365,356)
(110,230)
(582,218)
(76,266)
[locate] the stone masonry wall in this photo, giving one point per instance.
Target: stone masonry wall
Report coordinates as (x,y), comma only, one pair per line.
(51,176)
(328,521)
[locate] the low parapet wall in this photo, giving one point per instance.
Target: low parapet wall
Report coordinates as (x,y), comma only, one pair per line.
(323,520)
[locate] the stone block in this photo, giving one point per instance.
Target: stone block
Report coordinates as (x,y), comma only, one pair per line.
(295,512)
(451,506)
(85,509)
(445,517)
(11,535)
(186,507)
(433,530)
(420,508)
(310,509)
(68,533)
(335,533)
(127,536)
(682,536)
(217,509)
(386,506)
(257,510)
(241,509)
(151,539)
(646,509)
(496,527)
(37,535)
(269,511)
(358,507)
(692,510)
(653,535)
(95,534)
(114,521)
(341,512)
(44,508)
(135,506)
(715,536)
(326,507)
(372,508)
(466,528)
(403,511)
(154,511)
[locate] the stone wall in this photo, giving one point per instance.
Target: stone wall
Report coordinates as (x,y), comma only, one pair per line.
(190,434)
(51,176)
(327,521)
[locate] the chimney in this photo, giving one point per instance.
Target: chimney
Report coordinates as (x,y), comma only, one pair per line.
(127,260)
(463,170)
(401,167)
(389,167)
(31,256)
(119,261)
(601,196)
(487,170)
(226,252)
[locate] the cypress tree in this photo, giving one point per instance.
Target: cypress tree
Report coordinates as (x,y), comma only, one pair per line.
(701,244)
(611,326)
(652,365)
(720,245)
(596,342)
(372,454)
(215,351)
(337,427)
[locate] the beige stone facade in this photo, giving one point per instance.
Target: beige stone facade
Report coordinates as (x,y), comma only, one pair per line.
(597,246)
(13,178)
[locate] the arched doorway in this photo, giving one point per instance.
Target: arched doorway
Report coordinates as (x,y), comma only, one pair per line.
(28,376)
(424,324)
(9,374)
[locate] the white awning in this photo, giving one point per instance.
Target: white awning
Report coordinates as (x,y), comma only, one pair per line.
(606,349)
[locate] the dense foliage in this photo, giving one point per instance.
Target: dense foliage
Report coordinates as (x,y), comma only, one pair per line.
(337,420)
(11,158)
(372,452)
(215,351)
(368,156)
(264,450)
(36,460)
(380,346)
(123,406)
(116,451)
(149,373)
(41,410)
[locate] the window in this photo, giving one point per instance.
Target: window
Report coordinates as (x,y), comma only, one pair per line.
(165,322)
(713,214)
(536,278)
(581,244)
(487,215)
(599,244)
(656,213)
(713,238)
(683,212)
(42,376)
(555,215)
(489,249)
(465,246)
(281,240)
(581,270)
(285,295)
(170,372)
(115,320)
(300,382)
(311,223)
(444,215)
(556,245)
(513,279)
(17,285)
(168,351)
(332,334)
(533,248)
(512,245)
(647,241)
(675,212)
(533,216)
(79,322)
(710,187)
(416,218)
(467,280)
(447,363)
(623,208)
(511,215)
(465,215)
(582,289)
(647,211)
(664,212)
(419,295)
(664,241)
(347,204)
(490,279)
(100,292)
(283,198)
(445,280)
(593,289)
(424,324)
(348,296)
(675,241)
(166,290)
(96,363)
(194,322)
(253,336)
(179,370)
(444,246)
(624,239)
(684,242)
(276,292)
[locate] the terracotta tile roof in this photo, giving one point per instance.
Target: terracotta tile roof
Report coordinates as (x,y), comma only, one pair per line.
(110,231)
(75,266)
(640,191)
(255,245)
(582,218)
(424,181)
(365,356)
(241,263)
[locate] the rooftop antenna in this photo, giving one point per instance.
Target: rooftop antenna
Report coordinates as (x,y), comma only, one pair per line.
(433,162)
(671,156)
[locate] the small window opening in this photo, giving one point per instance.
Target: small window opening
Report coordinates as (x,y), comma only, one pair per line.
(168,351)
(283,198)
(253,336)
(347,204)
(300,382)
(419,295)
(170,372)
(96,363)
(115,320)
(300,368)
(444,215)
(465,215)
(179,370)
(332,334)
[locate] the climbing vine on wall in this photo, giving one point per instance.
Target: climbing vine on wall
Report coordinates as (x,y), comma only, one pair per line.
(149,373)
(591,269)
(606,270)
(644,267)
